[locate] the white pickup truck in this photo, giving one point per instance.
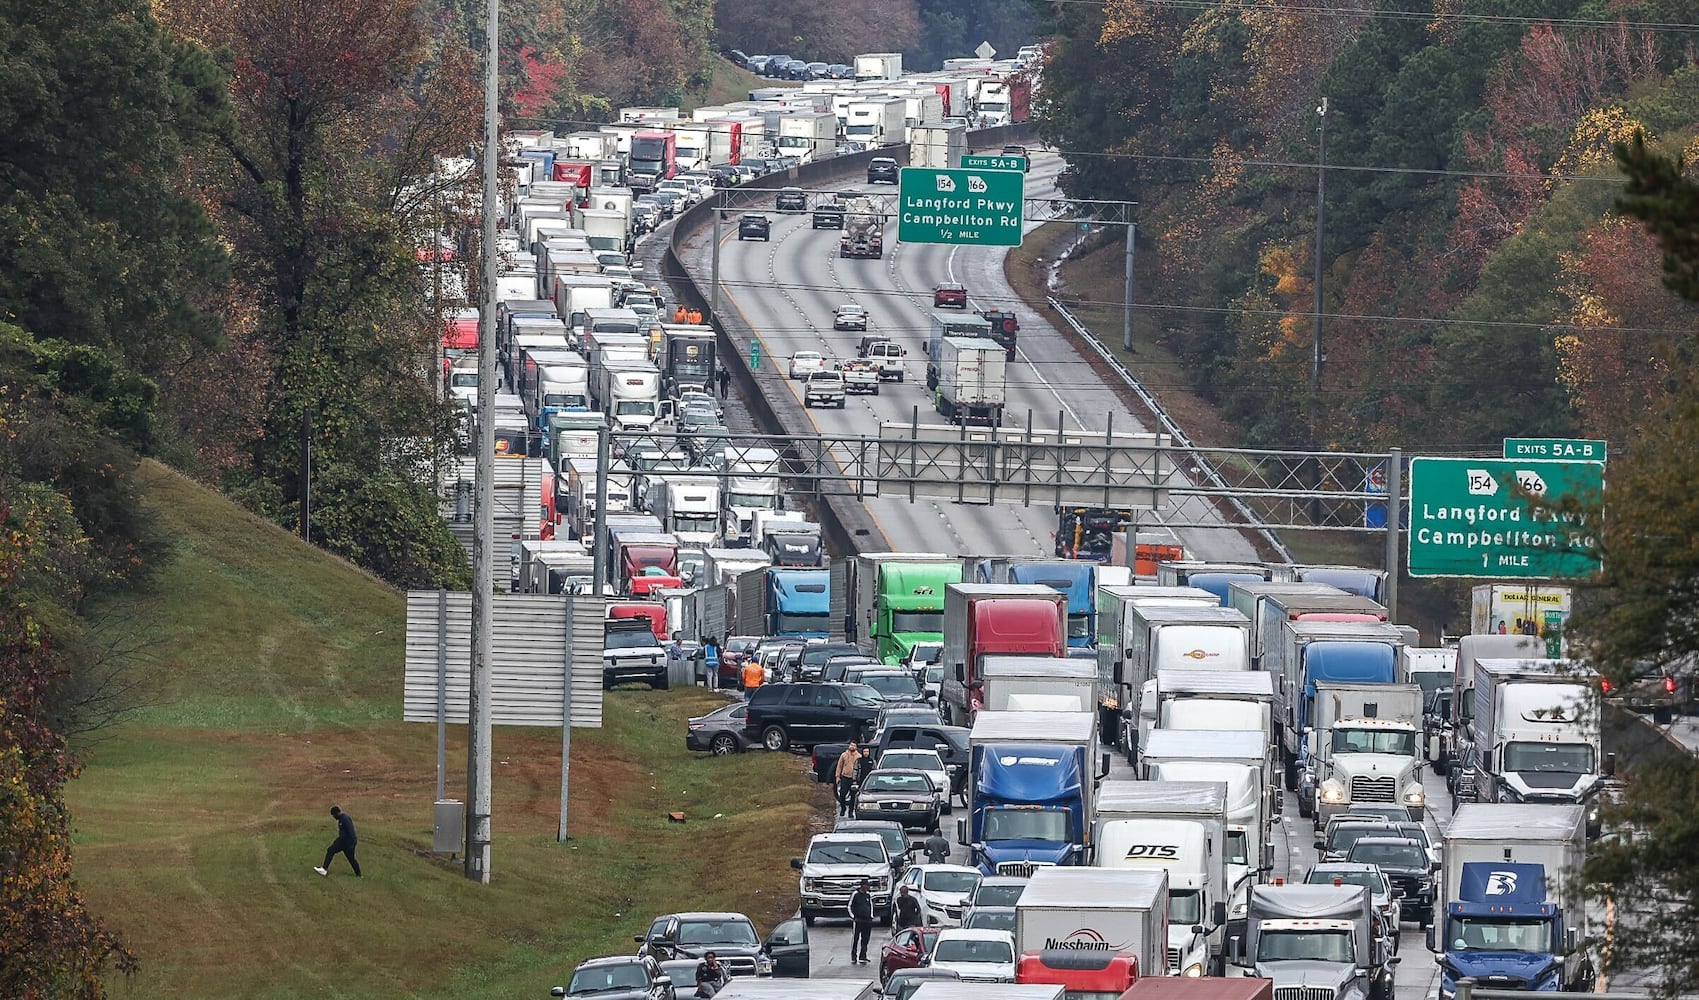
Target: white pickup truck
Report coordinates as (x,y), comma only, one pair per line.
(861,375)
(825,389)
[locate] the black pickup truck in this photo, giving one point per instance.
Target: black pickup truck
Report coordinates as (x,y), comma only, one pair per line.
(949,741)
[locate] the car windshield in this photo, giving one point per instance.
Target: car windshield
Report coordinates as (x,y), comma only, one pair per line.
(607,978)
(1404,855)
(629,639)
(1345,836)
(1561,758)
(917,621)
(1003,894)
(734,932)
(860,695)
(1361,876)
(968,950)
(1185,907)
(991,920)
(1026,824)
(853,852)
(892,685)
(919,760)
(742,645)
(1431,680)
(1500,934)
(1400,743)
(1306,946)
(950,881)
(913,783)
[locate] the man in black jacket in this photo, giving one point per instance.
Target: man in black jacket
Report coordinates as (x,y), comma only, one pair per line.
(908,909)
(861,920)
(346,840)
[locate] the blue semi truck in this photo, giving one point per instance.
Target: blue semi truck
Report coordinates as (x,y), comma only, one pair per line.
(1032,789)
(1077,580)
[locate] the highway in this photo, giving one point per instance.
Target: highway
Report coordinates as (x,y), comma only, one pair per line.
(786,289)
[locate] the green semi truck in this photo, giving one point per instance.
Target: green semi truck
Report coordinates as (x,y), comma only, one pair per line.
(899,600)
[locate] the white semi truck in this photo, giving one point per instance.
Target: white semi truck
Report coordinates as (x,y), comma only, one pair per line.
(1038,684)
(1242,760)
(1537,734)
(1363,748)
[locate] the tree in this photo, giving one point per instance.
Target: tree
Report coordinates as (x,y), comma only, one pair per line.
(1660,194)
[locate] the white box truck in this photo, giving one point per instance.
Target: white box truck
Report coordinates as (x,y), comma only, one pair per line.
(1119,911)
(972,372)
(1241,760)
(1159,638)
(1113,604)
(879,66)
(937,146)
(1038,684)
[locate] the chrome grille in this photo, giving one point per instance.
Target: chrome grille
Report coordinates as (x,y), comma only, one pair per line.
(837,886)
(1380,788)
(1303,993)
(1021,869)
(738,965)
(1173,961)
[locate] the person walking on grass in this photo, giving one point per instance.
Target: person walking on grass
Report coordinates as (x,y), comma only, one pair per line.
(344,844)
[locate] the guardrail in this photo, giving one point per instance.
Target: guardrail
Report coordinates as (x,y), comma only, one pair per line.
(1204,466)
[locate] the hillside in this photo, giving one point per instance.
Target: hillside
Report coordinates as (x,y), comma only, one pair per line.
(273,679)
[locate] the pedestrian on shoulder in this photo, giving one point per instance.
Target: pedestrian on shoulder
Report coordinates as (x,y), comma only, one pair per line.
(844,775)
(864,766)
(861,920)
(725,381)
(711,657)
(344,844)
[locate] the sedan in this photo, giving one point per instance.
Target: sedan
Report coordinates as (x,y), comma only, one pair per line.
(907,949)
(720,732)
(806,363)
(950,295)
(943,891)
(901,796)
(623,977)
(976,955)
(849,316)
(927,762)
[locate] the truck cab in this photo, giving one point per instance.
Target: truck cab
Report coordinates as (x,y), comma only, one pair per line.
(798,604)
(1318,941)
(1032,779)
(1502,932)
(1364,747)
(1076,580)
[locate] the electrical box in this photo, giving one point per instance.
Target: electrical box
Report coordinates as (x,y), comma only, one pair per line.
(448,827)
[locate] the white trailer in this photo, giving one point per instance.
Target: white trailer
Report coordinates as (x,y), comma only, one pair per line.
(1038,684)
(725,565)
(972,380)
(1207,699)
(1094,909)
(807,135)
(876,121)
(1241,759)
(879,66)
(937,146)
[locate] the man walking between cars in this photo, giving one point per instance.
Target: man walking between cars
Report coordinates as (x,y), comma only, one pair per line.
(937,849)
(844,774)
(861,920)
(346,841)
(908,909)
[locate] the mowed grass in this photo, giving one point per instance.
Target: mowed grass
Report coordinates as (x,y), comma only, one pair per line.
(275,686)
(726,84)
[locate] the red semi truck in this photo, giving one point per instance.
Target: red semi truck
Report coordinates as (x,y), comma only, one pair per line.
(641,561)
(994,619)
(656,613)
(1085,974)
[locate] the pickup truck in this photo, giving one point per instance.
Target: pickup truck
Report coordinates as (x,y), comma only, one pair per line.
(825,389)
(951,739)
(861,376)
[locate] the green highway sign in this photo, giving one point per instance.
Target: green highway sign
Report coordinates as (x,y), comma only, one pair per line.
(993,161)
(1555,449)
(979,207)
(1473,517)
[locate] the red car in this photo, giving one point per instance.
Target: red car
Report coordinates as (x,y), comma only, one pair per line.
(950,295)
(907,949)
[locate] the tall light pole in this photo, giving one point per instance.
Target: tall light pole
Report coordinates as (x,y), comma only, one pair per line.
(483,524)
(1127,295)
(1321,231)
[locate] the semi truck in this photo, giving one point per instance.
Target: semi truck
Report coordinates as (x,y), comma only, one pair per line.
(1006,101)
(1032,788)
(807,135)
(1537,732)
(1078,580)
(630,394)
(653,159)
(725,565)
(945,326)
(1038,684)
(1363,746)
(1513,915)
(939,147)
(1248,597)
(752,485)
(1471,649)
(1094,911)
(793,543)
(686,358)
(792,603)
(689,507)
(899,600)
(972,377)
(1319,941)
(864,229)
(1308,651)
(1114,601)
(983,620)
(642,560)
(1207,699)
(878,121)
(1178,827)
(1156,637)
(879,66)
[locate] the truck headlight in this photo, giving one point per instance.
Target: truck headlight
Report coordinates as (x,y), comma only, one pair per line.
(807,885)
(1332,792)
(1414,796)
(763,965)
(1194,970)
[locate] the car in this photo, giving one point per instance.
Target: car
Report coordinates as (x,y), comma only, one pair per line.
(900,796)
(815,655)
(990,918)
(611,258)
(1381,894)
(630,652)
(686,189)
(893,684)
(754,226)
(907,950)
(819,70)
(736,648)
(997,890)
(1020,151)
(1463,777)
(882,170)
(860,376)
(950,295)
(943,890)
(645,216)
(684,937)
(927,762)
(1390,813)
(897,846)
(1335,842)
(1419,833)
(1407,866)
(837,668)
(738,59)
(791,200)
(834,867)
(618,977)
(828,213)
(671,197)
(842,71)
(806,363)
(904,983)
(782,716)
(825,389)
(720,732)
(755,64)
(933,680)
(663,207)
(901,714)
(976,955)
(849,316)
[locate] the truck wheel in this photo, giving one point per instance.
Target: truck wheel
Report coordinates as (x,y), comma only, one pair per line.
(660,683)
(724,745)
(876,389)
(775,738)
(1305,810)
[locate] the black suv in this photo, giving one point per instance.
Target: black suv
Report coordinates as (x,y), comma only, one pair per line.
(815,656)
(881,170)
(785,715)
(679,940)
(791,199)
(754,227)
(1407,866)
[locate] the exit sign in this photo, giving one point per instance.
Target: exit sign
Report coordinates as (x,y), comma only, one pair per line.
(1555,449)
(984,161)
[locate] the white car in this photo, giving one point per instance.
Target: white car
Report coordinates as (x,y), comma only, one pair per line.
(943,891)
(683,187)
(849,317)
(982,956)
(926,761)
(806,363)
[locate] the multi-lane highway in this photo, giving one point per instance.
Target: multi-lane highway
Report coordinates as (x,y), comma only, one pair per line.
(786,288)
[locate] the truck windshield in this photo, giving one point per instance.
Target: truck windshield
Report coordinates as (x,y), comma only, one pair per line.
(794,141)
(1562,758)
(855,852)
(917,621)
(1306,946)
(1026,824)
(563,399)
(1399,743)
(762,501)
(635,408)
(791,624)
(1079,627)
(1185,907)
(1431,680)
(1500,934)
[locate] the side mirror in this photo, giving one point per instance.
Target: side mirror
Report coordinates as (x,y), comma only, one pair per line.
(1487,761)
(961,673)
(1571,939)
(1433,937)
(1394,960)
(558,991)
(663,980)
(1236,950)
(1320,844)
(638,938)
(1218,913)
(795,863)
(1199,930)
(1610,765)
(1103,764)
(961,831)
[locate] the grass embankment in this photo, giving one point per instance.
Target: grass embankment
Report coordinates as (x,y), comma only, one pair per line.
(274,674)
(727,83)
(1094,286)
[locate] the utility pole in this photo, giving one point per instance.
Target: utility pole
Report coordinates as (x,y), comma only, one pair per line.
(1321,231)
(483,530)
(714,277)
(1127,297)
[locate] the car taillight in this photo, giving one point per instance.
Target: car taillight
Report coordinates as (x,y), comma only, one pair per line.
(1669,685)
(1605,685)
